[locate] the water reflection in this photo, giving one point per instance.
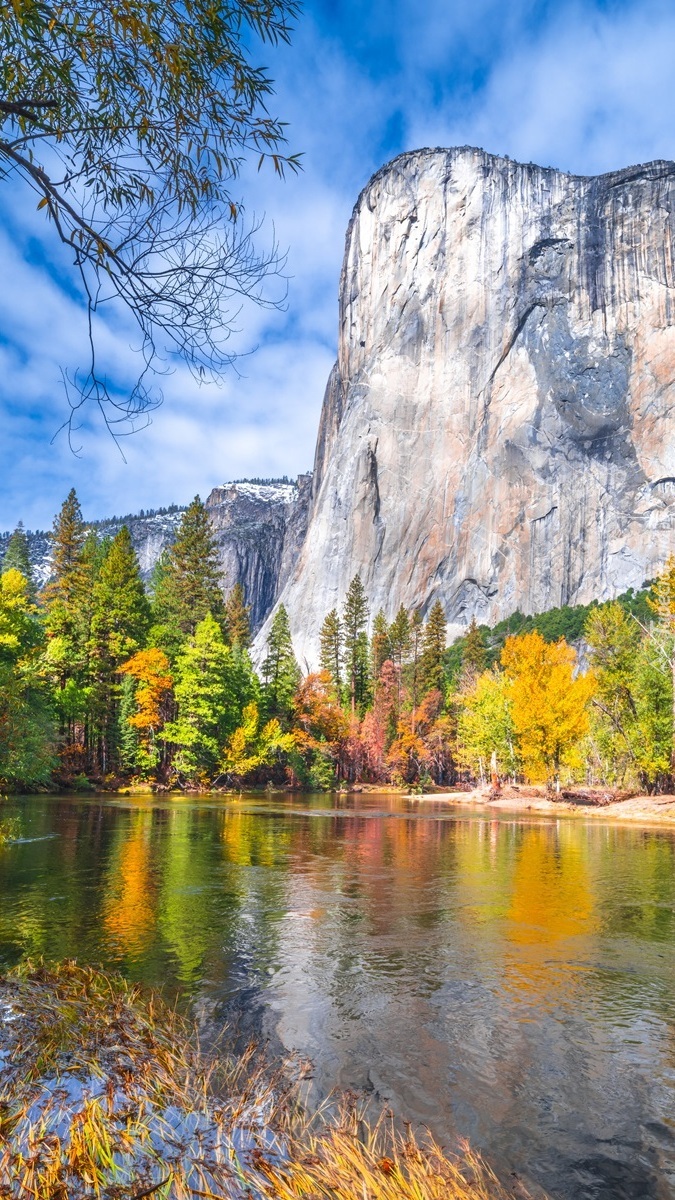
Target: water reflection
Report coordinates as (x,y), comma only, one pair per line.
(510,980)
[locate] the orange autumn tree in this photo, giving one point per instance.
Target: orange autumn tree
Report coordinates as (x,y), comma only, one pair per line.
(320,726)
(152,672)
(549,705)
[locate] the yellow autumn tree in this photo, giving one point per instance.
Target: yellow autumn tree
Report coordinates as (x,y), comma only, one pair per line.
(251,746)
(549,706)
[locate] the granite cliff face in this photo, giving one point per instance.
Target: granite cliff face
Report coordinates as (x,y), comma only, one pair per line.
(499,429)
(258,527)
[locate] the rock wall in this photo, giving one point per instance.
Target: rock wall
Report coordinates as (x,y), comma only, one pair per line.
(499,429)
(259,529)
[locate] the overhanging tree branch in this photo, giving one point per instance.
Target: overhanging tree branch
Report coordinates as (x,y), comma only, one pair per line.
(130,120)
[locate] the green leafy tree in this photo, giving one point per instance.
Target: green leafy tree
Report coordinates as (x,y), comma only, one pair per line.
(26,715)
(330,647)
(280,670)
(613,640)
(662,603)
(130,121)
(356,650)
(486,725)
(433,650)
(187,585)
(211,690)
(238,618)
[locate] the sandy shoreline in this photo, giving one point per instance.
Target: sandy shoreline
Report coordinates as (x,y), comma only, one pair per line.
(645,809)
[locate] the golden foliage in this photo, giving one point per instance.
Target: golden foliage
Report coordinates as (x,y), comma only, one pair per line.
(151,669)
(549,705)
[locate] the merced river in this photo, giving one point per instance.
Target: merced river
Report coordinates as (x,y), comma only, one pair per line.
(507,979)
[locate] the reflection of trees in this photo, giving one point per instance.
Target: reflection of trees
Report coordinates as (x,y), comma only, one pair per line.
(129,905)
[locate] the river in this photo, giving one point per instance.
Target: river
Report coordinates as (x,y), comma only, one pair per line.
(509,980)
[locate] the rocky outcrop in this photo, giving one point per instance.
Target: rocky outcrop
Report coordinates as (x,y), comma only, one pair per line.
(259,528)
(499,429)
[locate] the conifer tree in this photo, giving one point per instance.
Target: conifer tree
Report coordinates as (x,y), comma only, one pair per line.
(330,647)
(119,623)
(237,617)
(17,558)
(188,583)
(399,644)
(280,669)
(354,622)
(415,654)
(121,611)
(474,656)
(66,595)
(210,699)
(433,649)
(399,638)
(380,649)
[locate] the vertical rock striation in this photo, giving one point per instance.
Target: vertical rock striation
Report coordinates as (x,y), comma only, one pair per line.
(499,429)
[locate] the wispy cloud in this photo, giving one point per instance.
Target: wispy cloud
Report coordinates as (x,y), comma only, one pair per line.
(584,86)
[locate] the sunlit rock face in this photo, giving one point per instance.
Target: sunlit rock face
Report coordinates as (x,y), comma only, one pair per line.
(499,429)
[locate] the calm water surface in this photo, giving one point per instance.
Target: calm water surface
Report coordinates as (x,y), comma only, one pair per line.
(510,980)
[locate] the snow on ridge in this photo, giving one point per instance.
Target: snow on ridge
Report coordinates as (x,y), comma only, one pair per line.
(269,493)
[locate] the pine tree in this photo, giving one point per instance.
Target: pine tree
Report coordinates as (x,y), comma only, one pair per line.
(330,647)
(280,669)
(237,617)
(187,586)
(211,691)
(399,643)
(17,558)
(66,596)
(433,649)
(121,611)
(474,656)
(119,623)
(415,654)
(399,638)
(380,649)
(354,621)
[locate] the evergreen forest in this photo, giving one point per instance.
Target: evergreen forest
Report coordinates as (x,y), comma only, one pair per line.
(107,683)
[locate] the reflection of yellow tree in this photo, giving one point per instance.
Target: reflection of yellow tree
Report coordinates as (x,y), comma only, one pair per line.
(249,840)
(551,904)
(129,904)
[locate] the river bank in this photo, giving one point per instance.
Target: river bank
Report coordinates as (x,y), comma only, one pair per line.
(586,803)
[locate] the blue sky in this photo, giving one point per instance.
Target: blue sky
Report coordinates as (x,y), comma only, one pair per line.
(584,86)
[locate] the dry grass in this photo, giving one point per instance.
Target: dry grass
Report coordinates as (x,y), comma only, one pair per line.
(105,1094)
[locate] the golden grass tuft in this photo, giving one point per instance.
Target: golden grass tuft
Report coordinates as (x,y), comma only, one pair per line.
(106,1094)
